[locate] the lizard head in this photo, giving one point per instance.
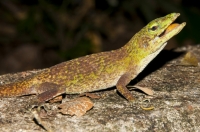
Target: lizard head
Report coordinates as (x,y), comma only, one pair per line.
(151,39)
(156,34)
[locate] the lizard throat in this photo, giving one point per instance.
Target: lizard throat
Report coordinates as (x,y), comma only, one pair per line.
(144,62)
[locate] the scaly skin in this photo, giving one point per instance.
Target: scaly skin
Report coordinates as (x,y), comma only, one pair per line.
(102,70)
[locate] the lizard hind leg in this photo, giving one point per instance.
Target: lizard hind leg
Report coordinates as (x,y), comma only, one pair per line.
(47,91)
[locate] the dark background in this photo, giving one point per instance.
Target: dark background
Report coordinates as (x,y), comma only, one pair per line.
(38,34)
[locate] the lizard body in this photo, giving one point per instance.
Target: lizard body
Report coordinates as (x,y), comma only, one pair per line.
(102,70)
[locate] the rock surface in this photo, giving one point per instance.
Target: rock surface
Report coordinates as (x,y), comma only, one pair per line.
(176,102)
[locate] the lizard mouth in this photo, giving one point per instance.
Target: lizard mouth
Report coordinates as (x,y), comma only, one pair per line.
(172,28)
(168,33)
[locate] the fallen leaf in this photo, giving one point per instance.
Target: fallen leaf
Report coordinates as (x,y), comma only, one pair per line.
(197,80)
(189,108)
(147,108)
(189,60)
(56,99)
(144,89)
(78,106)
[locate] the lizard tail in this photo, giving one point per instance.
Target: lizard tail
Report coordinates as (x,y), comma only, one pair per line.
(15,89)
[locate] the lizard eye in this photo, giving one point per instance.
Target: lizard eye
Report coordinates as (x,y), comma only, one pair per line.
(153,28)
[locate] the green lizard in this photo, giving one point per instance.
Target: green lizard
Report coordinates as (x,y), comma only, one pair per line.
(102,70)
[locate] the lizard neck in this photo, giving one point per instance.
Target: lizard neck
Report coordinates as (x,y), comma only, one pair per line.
(132,49)
(131,55)
(136,56)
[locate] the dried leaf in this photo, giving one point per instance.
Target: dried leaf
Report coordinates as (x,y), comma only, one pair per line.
(144,89)
(189,60)
(197,80)
(147,108)
(56,99)
(91,95)
(78,106)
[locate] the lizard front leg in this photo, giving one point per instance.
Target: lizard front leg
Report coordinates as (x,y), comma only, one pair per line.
(121,86)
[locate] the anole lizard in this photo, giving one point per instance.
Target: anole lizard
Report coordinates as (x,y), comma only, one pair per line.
(102,70)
